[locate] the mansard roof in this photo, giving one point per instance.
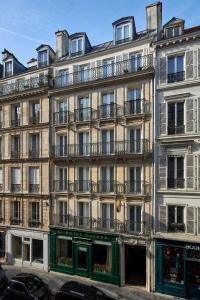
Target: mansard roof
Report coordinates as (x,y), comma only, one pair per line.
(173,21)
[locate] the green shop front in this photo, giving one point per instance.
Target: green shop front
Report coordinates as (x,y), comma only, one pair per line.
(178,268)
(88,254)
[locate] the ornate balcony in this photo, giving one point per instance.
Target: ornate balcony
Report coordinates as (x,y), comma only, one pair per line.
(137,187)
(178,183)
(34,188)
(15,154)
(104,72)
(176,77)
(33,153)
(136,107)
(34,223)
(15,221)
(34,120)
(63,186)
(15,188)
(63,117)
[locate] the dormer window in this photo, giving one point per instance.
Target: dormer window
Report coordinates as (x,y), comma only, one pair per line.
(173,31)
(42,58)
(123,33)
(8,69)
(77,46)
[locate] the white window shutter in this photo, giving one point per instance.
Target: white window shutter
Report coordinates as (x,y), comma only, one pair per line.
(163,70)
(190,219)
(162,218)
(190,118)
(189,62)
(190,171)
(163,118)
(163,172)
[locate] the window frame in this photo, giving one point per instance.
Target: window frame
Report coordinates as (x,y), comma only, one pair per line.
(122,27)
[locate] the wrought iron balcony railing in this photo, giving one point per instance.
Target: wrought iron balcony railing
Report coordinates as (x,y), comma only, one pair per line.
(15,154)
(180,129)
(122,41)
(15,188)
(85,186)
(110,186)
(109,111)
(129,66)
(1,187)
(34,120)
(23,85)
(42,63)
(34,188)
(83,114)
(136,107)
(16,122)
(15,221)
(63,186)
(34,153)
(176,227)
(175,77)
(178,183)
(34,223)
(137,187)
(100,224)
(133,147)
(63,117)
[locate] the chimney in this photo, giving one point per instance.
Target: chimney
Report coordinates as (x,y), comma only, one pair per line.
(62,43)
(154,18)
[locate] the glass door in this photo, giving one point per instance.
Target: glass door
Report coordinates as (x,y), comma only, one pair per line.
(82,263)
(193,277)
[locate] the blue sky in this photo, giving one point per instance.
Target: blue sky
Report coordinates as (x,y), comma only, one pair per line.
(25,24)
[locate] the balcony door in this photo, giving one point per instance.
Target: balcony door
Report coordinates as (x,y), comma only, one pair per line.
(83,182)
(107,215)
(34,214)
(84,73)
(35,112)
(107,108)
(135,218)
(84,109)
(63,212)
(175,172)
(62,108)
(15,146)
(34,180)
(107,175)
(135,62)
(107,139)
(62,145)
(84,145)
(15,213)
(134,184)
(16,114)
(62,179)
(135,140)
(83,214)
(63,78)
(108,68)
(15,180)
(175,118)
(34,145)
(134,104)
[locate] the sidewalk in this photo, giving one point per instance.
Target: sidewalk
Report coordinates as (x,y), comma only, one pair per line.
(56,280)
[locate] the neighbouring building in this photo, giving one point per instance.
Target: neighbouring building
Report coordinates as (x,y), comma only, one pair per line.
(101,104)
(177,126)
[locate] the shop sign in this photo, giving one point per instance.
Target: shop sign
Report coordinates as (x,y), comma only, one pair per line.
(193,247)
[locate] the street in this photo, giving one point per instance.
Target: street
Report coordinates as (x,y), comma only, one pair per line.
(56,280)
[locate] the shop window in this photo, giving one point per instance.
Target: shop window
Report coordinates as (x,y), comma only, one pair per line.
(64,252)
(2,244)
(17,247)
(102,258)
(173,264)
(37,251)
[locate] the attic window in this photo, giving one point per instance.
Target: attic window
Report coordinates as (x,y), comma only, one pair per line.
(42,58)
(77,46)
(123,33)
(8,69)
(173,31)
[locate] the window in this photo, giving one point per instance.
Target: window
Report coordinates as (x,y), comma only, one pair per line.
(1,154)
(35,113)
(175,68)
(123,33)
(37,251)
(77,46)
(8,68)
(83,181)
(17,247)
(176,218)
(63,78)
(63,211)
(107,141)
(136,145)
(84,146)
(83,210)
(134,183)
(34,214)
(34,180)
(15,180)
(62,173)
(15,213)
(175,118)
(102,258)
(107,213)
(134,104)
(135,62)
(16,115)
(173,31)
(34,145)
(1,214)
(107,177)
(107,109)
(62,148)
(175,178)
(84,73)
(15,147)
(64,251)
(1,117)
(173,265)
(108,68)
(1,179)
(84,112)
(135,218)
(42,58)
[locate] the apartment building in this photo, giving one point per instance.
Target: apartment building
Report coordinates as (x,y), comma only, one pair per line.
(101,125)
(177,208)
(24,159)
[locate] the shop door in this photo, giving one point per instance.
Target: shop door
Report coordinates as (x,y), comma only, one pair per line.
(193,279)
(82,259)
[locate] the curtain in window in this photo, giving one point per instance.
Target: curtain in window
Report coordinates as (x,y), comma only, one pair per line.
(34,176)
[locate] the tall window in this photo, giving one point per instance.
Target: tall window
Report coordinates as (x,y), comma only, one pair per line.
(84,146)
(107,176)
(83,113)
(8,68)
(107,212)
(15,146)
(1,117)
(34,180)
(15,180)
(175,218)
(1,148)
(35,113)
(134,104)
(107,109)
(135,140)
(77,46)
(83,209)
(62,173)
(16,115)
(135,62)
(15,213)
(83,182)
(34,145)
(42,58)
(134,183)
(107,140)
(175,68)
(122,33)
(62,147)
(84,73)
(1,179)
(63,78)
(176,118)
(34,214)
(135,218)
(1,212)
(108,68)
(63,211)
(175,172)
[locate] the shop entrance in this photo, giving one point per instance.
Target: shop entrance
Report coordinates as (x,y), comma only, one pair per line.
(135,265)
(193,279)
(82,259)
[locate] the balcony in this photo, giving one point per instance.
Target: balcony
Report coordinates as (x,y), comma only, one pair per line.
(1,187)
(100,224)
(15,122)
(176,77)
(136,107)
(84,114)
(176,227)
(33,153)
(15,188)
(178,183)
(85,186)
(113,70)
(63,117)
(109,111)
(15,154)
(138,187)
(34,120)
(34,223)
(34,188)
(172,130)
(1,219)
(23,85)
(110,186)
(122,41)
(15,221)
(63,186)
(108,149)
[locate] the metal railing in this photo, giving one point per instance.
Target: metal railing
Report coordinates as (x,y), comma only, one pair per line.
(34,188)
(135,107)
(63,117)
(15,122)
(109,111)
(178,183)
(33,153)
(15,221)
(133,147)
(15,154)
(23,85)
(34,223)
(129,66)
(63,186)
(137,187)
(176,227)
(176,129)
(83,114)
(101,224)
(15,188)
(34,120)
(1,187)
(175,77)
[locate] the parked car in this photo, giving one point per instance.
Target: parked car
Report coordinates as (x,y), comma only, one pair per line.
(3,278)
(26,286)
(73,290)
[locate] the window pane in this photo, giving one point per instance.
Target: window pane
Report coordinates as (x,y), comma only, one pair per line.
(180,214)
(180,114)
(171,214)
(171,65)
(80,45)
(126,32)
(119,33)
(179,63)
(73,46)
(173,264)
(64,251)
(180,167)
(102,258)
(171,168)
